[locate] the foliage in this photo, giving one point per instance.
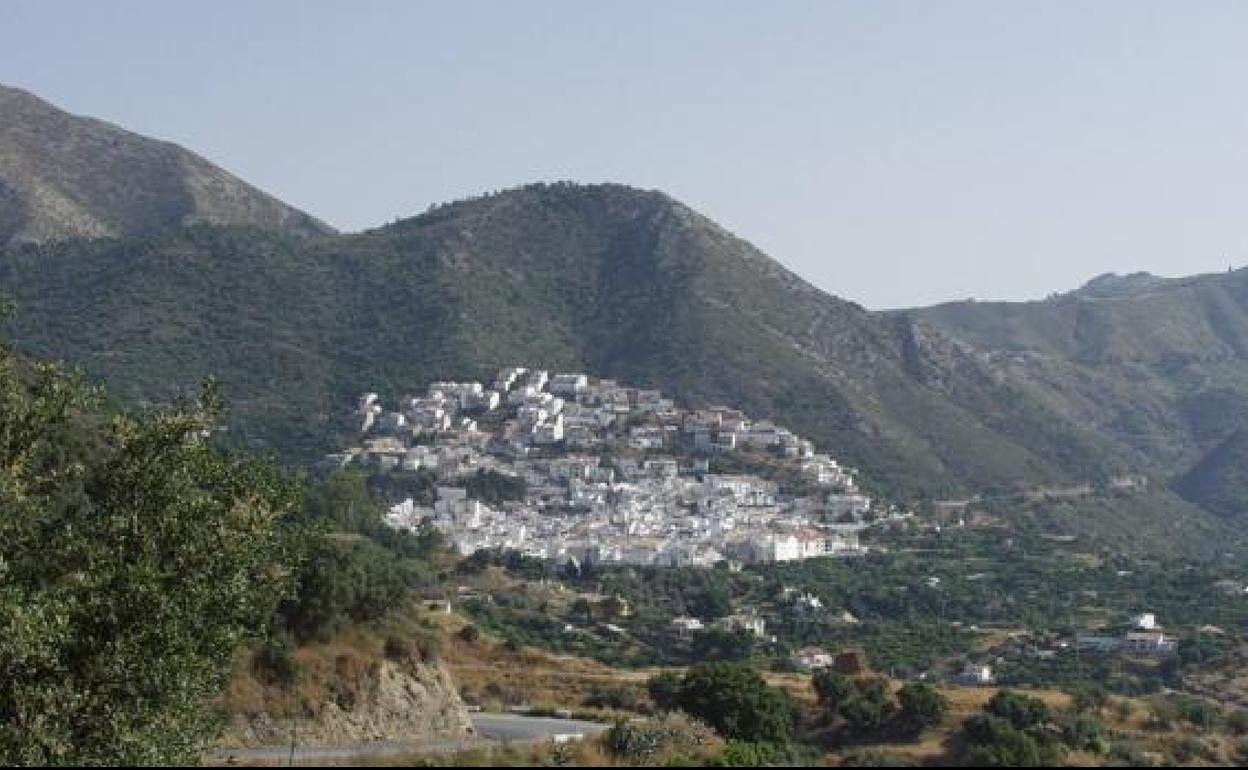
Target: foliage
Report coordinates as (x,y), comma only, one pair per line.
(833,688)
(869,709)
(344,580)
(329,314)
(494,488)
(875,758)
(136,558)
(1011,733)
(664,690)
(1022,711)
(735,700)
(921,706)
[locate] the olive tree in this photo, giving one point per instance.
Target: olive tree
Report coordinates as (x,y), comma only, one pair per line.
(135,558)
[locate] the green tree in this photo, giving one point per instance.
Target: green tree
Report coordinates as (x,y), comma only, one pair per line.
(664,690)
(1022,711)
(137,557)
(583,609)
(735,700)
(869,709)
(922,706)
(833,689)
(344,579)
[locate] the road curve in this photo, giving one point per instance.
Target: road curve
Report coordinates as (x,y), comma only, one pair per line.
(492,729)
(518,728)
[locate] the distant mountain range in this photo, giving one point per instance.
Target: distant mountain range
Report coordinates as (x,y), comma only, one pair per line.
(1128,375)
(63,176)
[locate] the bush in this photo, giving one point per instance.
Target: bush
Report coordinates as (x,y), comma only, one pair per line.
(922,706)
(1085,733)
(1237,722)
(734,700)
(275,664)
(876,758)
(669,739)
(833,689)
(398,649)
(469,634)
(343,581)
(869,709)
(664,689)
(1022,711)
(620,698)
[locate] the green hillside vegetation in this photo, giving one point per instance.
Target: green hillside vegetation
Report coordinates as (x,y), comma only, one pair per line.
(1219,482)
(136,558)
(1155,365)
(606,279)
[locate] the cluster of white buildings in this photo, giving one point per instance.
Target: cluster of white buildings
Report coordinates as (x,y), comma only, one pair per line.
(612,474)
(1146,639)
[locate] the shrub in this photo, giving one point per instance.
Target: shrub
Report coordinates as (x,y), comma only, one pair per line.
(274,662)
(1022,711)
(664,689)
(620,698)
(736,701)
(922,706)
(876,758)
(398,649)
(833,688)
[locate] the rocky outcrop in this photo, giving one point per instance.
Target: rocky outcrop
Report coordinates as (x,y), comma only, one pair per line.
(400,702)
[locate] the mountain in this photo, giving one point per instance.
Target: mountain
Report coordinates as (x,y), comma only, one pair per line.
(607,279)
(1157,366)
(1219,481)
(64,176)
(204,276)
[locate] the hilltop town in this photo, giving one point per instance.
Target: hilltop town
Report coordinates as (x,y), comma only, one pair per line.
(592,471)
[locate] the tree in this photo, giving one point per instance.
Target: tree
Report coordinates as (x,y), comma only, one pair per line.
(922,706)
(869,709)
(735,700)
(495,488)
(136,558)
(344,579)
(1022,711)
(583,609)
(664,690)
(833,689)
(713,602)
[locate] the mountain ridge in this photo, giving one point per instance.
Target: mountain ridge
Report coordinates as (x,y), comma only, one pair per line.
(604,278)
(66,176)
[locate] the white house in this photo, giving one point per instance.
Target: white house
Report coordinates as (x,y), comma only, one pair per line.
(811,658)
(975,674)
(1145,621)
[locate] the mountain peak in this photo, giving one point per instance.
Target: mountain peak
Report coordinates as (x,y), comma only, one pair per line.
(1108,285)
(66,176)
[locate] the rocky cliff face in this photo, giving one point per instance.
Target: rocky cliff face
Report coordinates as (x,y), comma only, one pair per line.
(402,702)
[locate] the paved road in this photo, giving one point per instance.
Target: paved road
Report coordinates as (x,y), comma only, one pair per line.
(491,729)
(518,728)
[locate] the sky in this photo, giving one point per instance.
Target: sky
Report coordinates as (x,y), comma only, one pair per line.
(892,153)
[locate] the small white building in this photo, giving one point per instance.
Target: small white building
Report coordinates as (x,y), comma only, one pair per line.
(975,675)
(686,627)
(1145,621)
(811,658)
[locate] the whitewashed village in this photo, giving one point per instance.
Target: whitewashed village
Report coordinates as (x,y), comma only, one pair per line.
(612,474)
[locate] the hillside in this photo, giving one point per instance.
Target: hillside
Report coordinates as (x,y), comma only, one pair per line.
(1155,365)
(64,176)
(1219,482)
(606,279)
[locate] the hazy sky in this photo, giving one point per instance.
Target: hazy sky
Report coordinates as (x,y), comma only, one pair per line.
(892,153)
